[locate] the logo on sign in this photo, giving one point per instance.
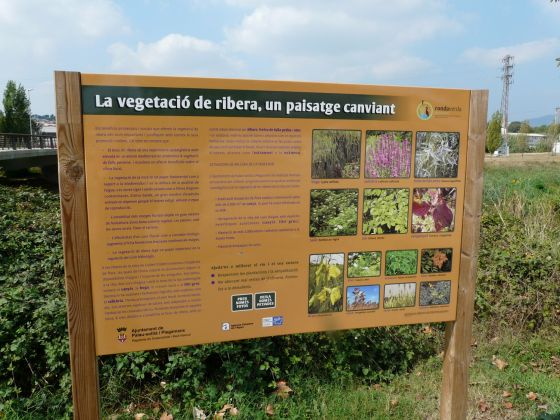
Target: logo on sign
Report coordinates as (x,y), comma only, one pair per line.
(121,334)
(267,322)
(277,320)
(225,326)
(425,110)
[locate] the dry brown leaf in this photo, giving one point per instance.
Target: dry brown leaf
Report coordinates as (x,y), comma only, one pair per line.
(139,416)
(269,410)
(225,408)
(130,408)
(282,389)
(482,406)
(499,363)
(163,384)
(166,416)
(508,405)
(233,411)
(218,416)
(377,387)
(198,414)
(394,403)
(427,330)
(543,407)
(532,396)
(506,394)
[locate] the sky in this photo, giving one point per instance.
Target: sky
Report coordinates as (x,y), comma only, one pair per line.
(435,43)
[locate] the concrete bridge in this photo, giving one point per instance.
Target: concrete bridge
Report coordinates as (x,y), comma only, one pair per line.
(23,151)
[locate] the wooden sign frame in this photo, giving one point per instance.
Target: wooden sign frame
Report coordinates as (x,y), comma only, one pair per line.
(83,359)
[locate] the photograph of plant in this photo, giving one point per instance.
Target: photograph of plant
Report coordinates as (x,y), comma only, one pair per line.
(385,211)
(435,292)
(433,209)
(326,283)
(437,155)
(364,264)
(402,262)
(362,298)
(436,260)
(336,154)
(388,154)
(333,212)
(399,295)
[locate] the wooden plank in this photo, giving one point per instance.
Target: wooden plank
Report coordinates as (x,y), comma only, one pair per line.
(83,361)
(454,394)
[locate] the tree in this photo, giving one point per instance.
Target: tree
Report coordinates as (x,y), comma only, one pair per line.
(494,132)
(514,126)
(16,109)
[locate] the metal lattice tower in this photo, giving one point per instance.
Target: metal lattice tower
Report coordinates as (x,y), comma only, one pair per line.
(507,77)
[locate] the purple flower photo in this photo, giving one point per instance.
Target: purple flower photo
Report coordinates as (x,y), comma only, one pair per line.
(388,154)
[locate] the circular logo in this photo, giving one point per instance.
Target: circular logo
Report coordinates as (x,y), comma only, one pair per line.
(425,110)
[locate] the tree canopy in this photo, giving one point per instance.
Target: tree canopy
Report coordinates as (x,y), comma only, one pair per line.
(494,133)
(17,108)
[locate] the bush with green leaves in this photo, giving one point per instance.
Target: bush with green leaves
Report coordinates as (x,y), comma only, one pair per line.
(333,212)
(401,262)
(364,264)
(385,211)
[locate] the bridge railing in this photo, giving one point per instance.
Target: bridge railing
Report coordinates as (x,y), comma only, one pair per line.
(13,141)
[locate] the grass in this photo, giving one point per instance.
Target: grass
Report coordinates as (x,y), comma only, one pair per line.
(528,194)
(531,367)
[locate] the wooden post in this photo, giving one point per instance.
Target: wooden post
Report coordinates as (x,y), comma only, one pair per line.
(83,360)
(454,394)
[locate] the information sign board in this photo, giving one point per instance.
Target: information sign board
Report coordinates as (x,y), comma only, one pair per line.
(205,194)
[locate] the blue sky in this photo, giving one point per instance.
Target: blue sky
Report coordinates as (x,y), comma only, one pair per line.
(438,43)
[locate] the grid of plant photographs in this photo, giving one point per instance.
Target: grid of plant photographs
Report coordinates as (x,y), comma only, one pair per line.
(388,154)
(336,154)
(326,281)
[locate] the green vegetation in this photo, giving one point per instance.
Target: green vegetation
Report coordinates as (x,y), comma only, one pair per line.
(326,283)
(333,212)
(401,262)
(16,115)
(364,264)
(494,133)
(385,211)
(399,295)
(336,154)
(370,373)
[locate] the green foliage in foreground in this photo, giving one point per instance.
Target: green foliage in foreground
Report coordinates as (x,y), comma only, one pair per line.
(518,285)
(34,349)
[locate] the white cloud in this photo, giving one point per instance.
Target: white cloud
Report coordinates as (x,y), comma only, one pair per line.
(348,41)
(174,54)
(523,53)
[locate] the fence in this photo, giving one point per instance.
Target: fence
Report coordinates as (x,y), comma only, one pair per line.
(12,141)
